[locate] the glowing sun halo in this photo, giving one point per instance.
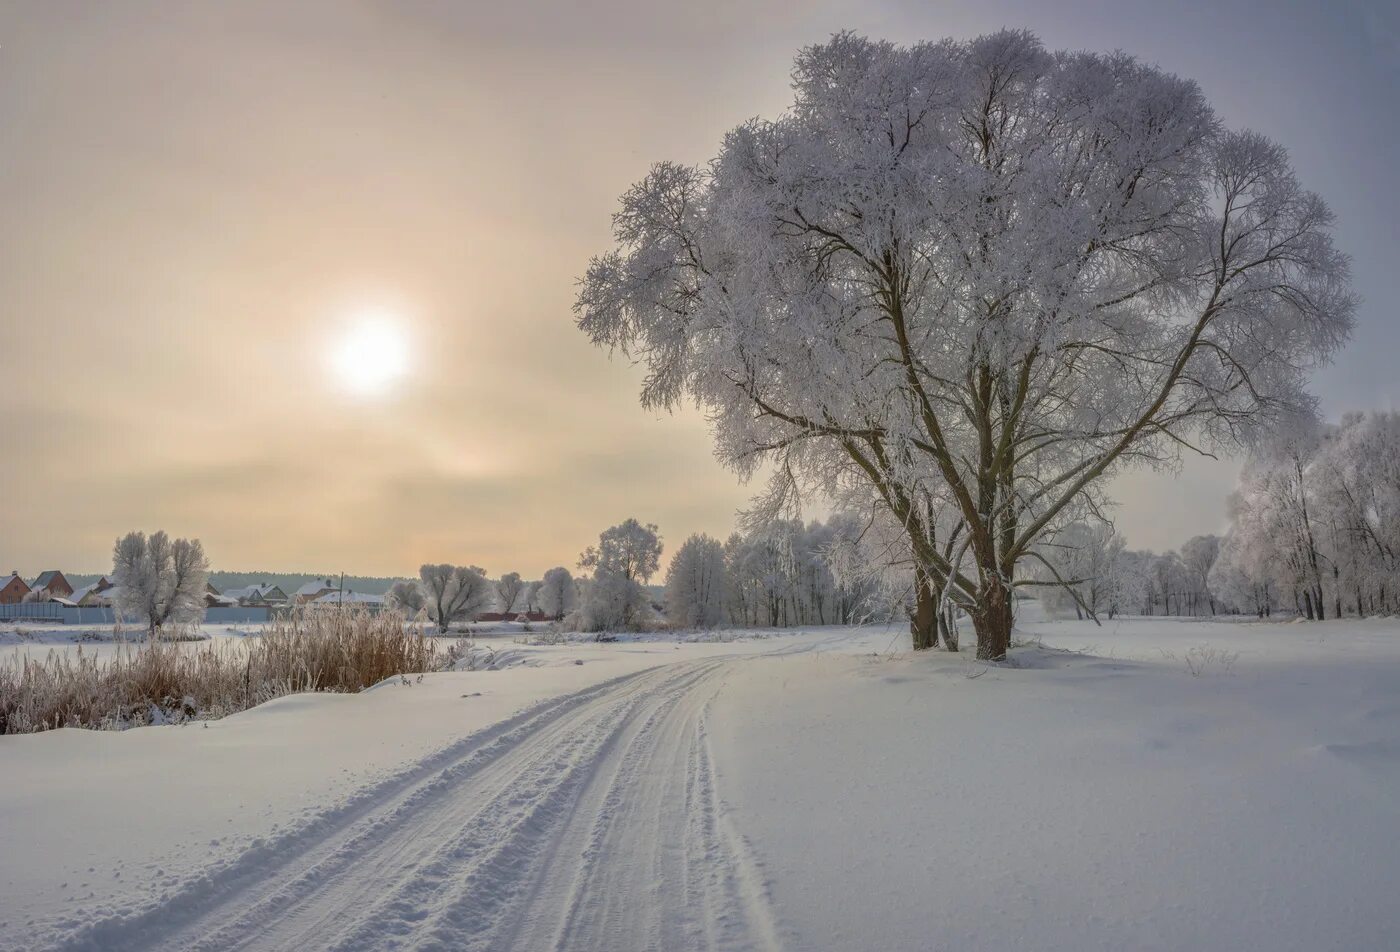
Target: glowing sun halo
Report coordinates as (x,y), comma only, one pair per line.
(371,353)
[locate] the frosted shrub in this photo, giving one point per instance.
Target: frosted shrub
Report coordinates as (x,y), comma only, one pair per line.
(1205,659)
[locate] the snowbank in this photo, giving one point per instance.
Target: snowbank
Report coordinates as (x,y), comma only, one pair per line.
(1188,786)
(1079,801)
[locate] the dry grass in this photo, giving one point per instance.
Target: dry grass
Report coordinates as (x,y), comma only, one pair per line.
(153,682)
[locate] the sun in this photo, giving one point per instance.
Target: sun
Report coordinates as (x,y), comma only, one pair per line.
(370,353)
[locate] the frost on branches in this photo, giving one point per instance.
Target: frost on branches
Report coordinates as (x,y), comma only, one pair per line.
(159,580)
(974,275)
(557,595)
(453,592)
(623,561)
(1315,523)
(696,584)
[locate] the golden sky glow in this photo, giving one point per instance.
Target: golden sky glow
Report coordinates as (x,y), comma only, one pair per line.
(215,217)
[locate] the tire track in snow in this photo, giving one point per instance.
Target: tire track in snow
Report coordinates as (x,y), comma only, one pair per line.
(587,822)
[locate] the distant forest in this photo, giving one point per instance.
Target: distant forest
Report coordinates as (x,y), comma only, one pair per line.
(288,582)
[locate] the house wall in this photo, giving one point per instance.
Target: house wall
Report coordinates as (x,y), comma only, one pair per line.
(59,587)
(12,590)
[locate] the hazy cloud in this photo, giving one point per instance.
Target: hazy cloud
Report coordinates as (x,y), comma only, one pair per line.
(197,195)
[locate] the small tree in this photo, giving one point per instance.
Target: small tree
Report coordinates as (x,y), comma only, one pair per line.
(626,557)
(1198,554)
(557,595)
(407,597)
(508,590)
(453,592)
(696,584)
(159,580)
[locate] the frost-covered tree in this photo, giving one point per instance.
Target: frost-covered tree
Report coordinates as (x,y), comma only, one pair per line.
(1315,522)
(508,591)
(1167,584)
(611,602)
(530,597)
(696,584)
(762,576)
(1198,555)
(557,594)
(629,549)
(406,596)
(1356,478)
(974,271)
(625,558)
(159,580)
(454,592)
(859,553)
(784,573)
(1238,577)
(1133,589)
(1082,569)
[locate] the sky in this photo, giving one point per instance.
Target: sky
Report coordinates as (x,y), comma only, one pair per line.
(200,204)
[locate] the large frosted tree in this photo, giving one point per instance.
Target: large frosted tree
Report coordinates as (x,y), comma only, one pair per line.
(977,272)
(159,579)
(454,592)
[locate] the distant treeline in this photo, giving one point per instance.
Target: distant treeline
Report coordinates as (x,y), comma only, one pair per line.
(288,582)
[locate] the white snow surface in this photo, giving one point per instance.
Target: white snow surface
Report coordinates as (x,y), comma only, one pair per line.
(1151,784)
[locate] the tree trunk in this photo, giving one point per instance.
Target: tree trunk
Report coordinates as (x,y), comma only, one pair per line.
(992,622)
(923,623)
(948,624)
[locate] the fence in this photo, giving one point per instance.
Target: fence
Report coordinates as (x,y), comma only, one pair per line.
(55,614)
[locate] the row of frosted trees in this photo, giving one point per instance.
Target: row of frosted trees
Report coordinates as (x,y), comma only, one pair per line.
(1315,523)
(785,573)
(1086,570)
(1314,533)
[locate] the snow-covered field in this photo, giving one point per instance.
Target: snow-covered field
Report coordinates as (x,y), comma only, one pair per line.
(1152,784)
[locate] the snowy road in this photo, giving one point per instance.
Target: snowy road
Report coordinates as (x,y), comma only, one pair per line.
(495,845)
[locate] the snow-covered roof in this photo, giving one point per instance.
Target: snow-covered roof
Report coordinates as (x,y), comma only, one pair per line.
(360,598)
(105,596)
(46,577)
(262,591)
(316,587)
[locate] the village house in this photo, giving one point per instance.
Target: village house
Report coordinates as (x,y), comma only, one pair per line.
(358,599)
(97,594)
(53,582)
(266,594)
(313,591)
(14,589)
(213,598)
